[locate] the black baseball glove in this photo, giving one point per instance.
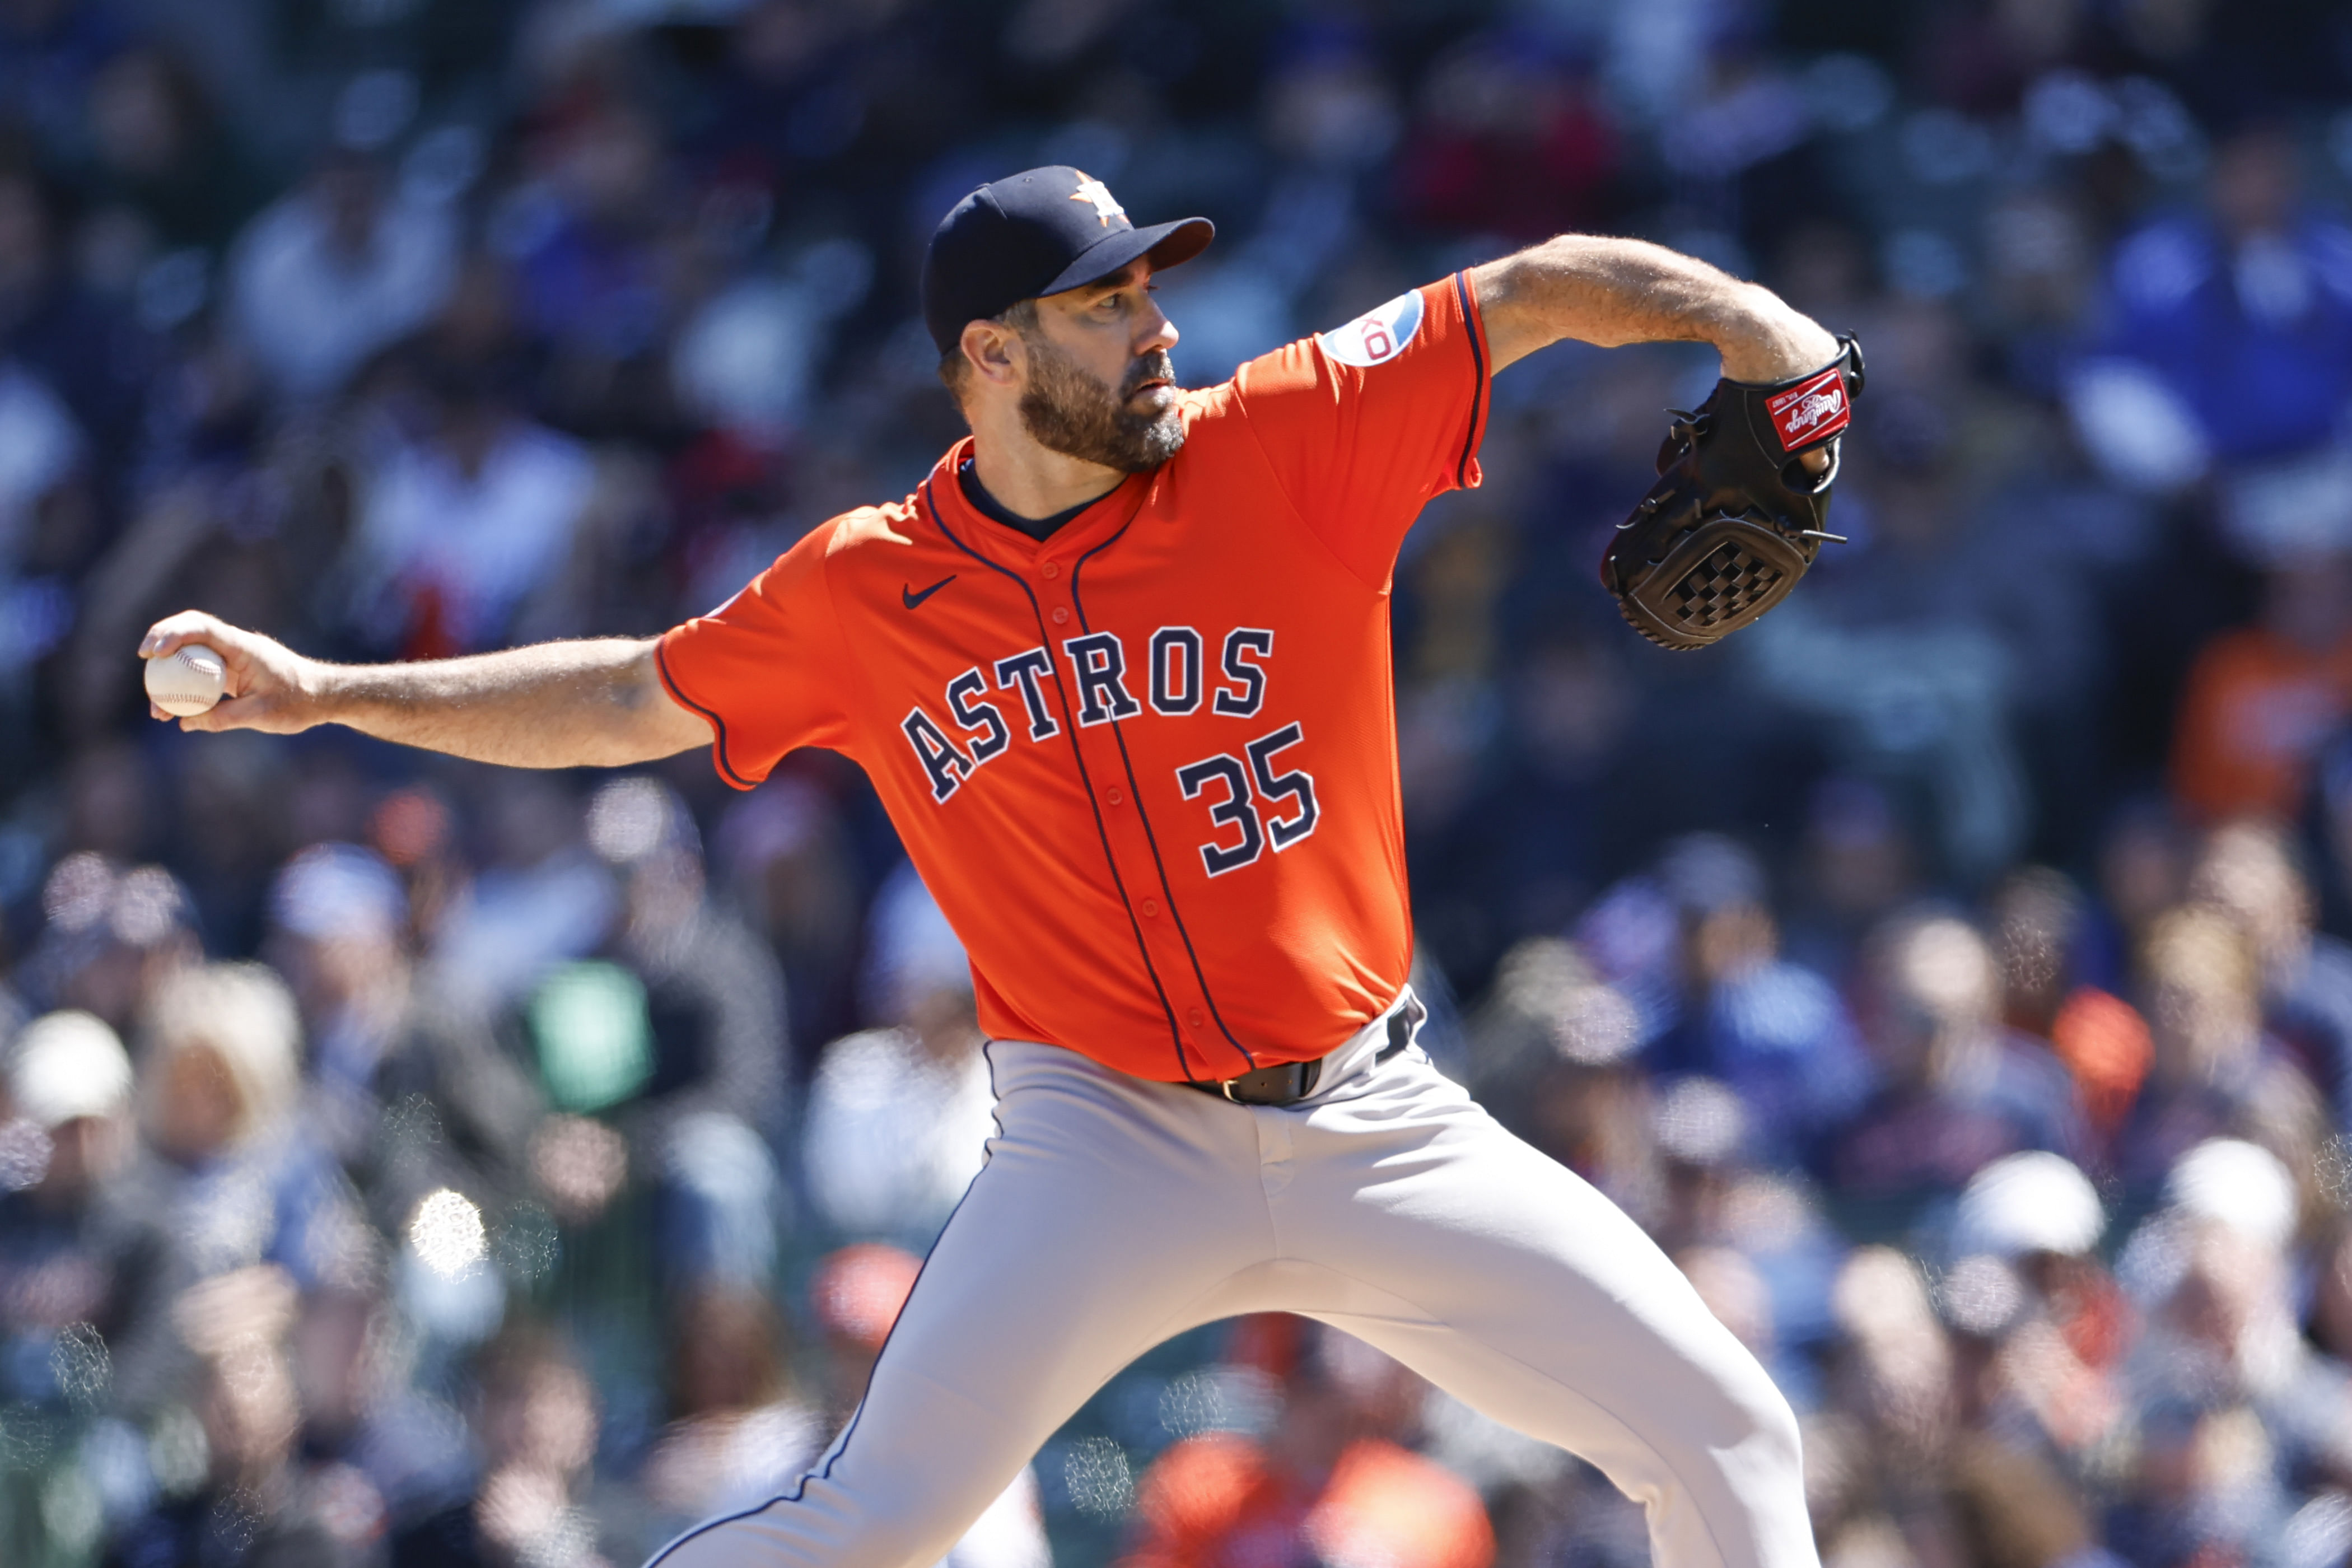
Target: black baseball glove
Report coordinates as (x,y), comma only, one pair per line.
(1735,518)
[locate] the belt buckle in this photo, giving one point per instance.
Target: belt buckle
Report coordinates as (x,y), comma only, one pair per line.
(1299,1078)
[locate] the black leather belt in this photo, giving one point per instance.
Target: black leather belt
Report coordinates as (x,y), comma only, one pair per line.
(1287,1083)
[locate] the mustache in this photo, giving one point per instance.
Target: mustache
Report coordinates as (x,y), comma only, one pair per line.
(1153,366)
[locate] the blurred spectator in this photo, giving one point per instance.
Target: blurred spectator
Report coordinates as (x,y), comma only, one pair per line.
(159,159)
(712,1089)
(1732,130)
(1957,1091)
(251,1505)
(1892,1376)
(387,1453)
(2036,919)
(87,355)
(1510,141)
(2216,1070)
(2228,342)
(898,1117)
(219,1082)
(110,939)
(1858,865)
(536,1421)
(340,919)
(1329,1483)
(2219,1369)
(46,453)
(2143,873)
(2252,870)
(2262,700)
(712,982)
(335,272)
(466,523)
(542,898)
(83,1249)
(586,262)
(1778,1034)
(2040,926)
(2028,1285)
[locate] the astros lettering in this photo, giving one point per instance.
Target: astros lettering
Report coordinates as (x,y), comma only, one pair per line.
(1097,667)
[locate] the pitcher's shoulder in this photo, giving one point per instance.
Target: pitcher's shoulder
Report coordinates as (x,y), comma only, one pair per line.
(868,531)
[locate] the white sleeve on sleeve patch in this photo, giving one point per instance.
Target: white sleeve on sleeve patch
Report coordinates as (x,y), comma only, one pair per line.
(1376,335)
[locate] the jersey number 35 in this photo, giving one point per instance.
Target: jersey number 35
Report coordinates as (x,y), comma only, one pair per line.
(1250,799)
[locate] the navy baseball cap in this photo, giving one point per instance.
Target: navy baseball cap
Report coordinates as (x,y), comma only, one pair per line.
(1036,233)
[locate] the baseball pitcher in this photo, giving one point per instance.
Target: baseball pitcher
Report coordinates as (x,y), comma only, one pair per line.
(1119,670)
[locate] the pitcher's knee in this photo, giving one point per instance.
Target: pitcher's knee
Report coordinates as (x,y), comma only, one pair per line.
(1765,1445)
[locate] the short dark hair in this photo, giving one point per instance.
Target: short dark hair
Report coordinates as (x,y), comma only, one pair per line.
(1020,316)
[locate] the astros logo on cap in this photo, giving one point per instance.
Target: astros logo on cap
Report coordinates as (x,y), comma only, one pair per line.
(1107,205)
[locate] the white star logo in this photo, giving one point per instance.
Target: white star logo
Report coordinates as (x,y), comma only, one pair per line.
(1107,206)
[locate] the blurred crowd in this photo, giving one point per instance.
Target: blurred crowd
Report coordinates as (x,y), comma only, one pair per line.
(406,1162)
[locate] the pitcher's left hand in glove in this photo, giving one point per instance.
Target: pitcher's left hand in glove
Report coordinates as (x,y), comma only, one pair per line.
(1736,516)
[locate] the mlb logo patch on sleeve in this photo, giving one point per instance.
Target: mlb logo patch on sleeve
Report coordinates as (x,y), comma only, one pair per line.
(1810,410)
(1376,335)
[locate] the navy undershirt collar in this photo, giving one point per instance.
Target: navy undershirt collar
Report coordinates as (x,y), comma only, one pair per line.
(995,511)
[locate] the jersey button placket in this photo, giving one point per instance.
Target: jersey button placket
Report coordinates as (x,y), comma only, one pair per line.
(1050,570)
(1061,614)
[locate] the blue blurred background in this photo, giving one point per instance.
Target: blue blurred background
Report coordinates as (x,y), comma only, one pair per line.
(403,1162)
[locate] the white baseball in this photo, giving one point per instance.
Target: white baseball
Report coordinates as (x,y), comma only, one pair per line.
(188,682)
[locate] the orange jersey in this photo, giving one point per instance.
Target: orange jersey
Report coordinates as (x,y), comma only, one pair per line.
(1148,766)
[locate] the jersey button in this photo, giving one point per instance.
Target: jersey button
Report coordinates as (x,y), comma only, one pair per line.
(1051,570)
(1195,1017)
(1114,796)
(1151,906)
(1061,614)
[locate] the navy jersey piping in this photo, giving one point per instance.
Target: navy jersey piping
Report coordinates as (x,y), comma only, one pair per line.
(717,725)
(1070,728)
(1478,394)
(1136,794)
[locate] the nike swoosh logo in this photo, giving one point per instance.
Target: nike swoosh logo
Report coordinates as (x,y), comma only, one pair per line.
(914,599)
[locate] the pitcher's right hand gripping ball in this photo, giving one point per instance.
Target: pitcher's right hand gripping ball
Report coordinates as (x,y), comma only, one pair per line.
(1736,518)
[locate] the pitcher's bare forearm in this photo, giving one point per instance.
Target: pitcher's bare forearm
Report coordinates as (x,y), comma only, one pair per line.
(554,705)
(1616,292)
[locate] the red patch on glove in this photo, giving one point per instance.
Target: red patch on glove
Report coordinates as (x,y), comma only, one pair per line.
(1810,411)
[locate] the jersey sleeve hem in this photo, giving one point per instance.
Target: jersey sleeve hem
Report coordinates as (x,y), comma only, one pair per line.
(709,716)
(1466,474)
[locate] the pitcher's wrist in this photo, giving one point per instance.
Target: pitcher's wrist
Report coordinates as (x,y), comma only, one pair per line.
(1762,339)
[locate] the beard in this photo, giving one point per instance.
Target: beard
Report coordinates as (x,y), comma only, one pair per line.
(1067,409)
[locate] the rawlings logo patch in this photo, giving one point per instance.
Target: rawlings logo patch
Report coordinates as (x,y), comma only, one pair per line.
(1810,410)
(1376,335)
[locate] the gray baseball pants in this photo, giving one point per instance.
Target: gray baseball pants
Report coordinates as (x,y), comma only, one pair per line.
(1114,1212)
